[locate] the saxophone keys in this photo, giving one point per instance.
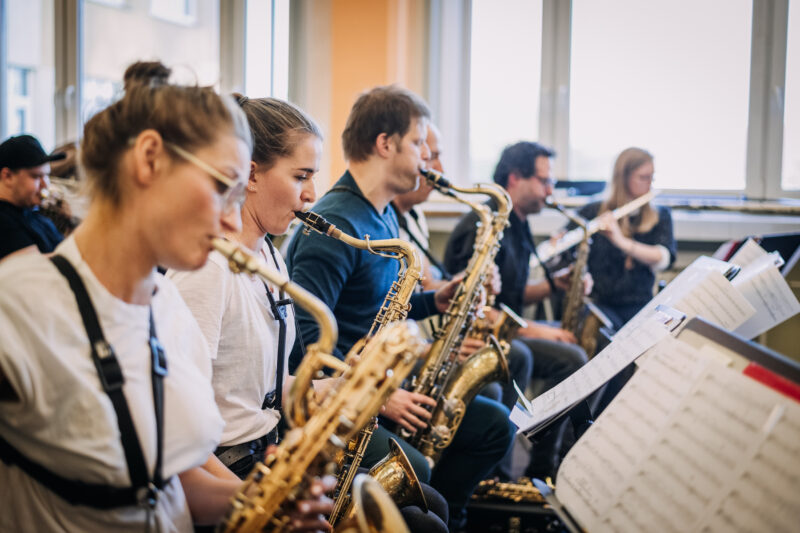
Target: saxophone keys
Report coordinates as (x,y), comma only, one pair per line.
(336,441)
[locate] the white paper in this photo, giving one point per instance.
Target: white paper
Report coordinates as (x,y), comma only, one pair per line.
(688,445)
(700,289)
(584,381)
(747,253)
(770,295)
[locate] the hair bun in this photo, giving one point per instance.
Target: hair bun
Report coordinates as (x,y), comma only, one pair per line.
(240,99)
(146,73)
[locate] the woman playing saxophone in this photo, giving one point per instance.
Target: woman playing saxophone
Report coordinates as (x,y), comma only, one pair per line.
(248,323)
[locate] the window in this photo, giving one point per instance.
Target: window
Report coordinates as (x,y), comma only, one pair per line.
(671,77)
(267,48)
(176,11)
(30,75)
(505,79)
(115,38)
(791,114)
(20,103)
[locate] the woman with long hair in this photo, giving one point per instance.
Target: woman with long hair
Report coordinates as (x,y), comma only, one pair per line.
(626,255)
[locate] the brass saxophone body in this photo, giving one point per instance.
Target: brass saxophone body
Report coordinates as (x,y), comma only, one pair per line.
(575,317)
(394,473)
(307,449)
(452,385)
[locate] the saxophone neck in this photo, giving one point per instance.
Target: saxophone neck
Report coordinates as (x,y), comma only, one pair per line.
(242,260)
(579,221)
(494,191)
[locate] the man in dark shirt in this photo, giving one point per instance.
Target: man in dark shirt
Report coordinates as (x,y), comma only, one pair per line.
(524,171)
(384,143)
(24,169)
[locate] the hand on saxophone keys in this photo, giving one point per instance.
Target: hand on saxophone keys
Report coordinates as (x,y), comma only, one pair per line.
(445,293)
(310,512)
(408,409)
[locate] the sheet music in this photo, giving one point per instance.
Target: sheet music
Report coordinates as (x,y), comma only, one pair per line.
(688,445)
(749,252)
(701,289)
(765,288)
(605,365)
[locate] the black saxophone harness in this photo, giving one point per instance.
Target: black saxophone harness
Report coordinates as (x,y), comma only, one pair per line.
(144,488)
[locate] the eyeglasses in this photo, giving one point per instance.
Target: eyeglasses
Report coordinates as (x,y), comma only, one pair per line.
(547,182)
(234,192)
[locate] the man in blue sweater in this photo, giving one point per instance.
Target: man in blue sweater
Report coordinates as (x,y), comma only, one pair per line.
(384,144)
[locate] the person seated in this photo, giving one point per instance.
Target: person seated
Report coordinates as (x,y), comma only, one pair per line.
(64,198)
(384,144)
(412,222)
(107,414)
(625,255)
(24,171)
(552,355)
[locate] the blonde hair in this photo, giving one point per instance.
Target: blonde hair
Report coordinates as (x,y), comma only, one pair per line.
(191,117)
(627,162)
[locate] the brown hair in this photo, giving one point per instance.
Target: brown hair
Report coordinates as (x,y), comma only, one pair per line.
(627,161)
(191,117)
(276,126)
(388,109)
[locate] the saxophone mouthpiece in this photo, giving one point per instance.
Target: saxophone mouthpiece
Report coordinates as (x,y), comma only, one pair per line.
(314,221)
(552,204)
(435,178)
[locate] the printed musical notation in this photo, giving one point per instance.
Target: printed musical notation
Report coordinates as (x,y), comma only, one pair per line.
(688,445)
(590,377)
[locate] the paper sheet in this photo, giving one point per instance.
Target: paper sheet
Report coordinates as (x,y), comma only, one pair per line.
(688,444)
(747,253)
(701,289)
(762,283)
(605,365)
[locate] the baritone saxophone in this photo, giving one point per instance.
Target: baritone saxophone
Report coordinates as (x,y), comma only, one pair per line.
(261,503)
(394,472)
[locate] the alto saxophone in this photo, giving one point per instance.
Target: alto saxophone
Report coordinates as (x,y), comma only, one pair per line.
(364,384)
(394,472)
(454,385)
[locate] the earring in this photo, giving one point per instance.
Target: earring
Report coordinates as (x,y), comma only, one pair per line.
(251,188)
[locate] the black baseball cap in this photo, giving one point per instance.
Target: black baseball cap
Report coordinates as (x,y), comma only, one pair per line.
(25,151)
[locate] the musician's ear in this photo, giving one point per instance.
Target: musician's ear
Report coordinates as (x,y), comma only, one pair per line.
(514,178)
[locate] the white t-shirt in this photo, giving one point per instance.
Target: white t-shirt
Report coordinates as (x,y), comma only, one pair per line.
(66,422)
(234,313)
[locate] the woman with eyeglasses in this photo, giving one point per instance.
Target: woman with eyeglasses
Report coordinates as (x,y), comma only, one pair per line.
(625,256)
(241,317)
(107,416)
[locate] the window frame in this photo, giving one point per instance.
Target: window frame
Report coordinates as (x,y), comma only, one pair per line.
(765,111)
(68,58)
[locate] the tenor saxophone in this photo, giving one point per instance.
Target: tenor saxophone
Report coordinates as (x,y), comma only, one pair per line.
(394,472)
(575,316)
(454,385)
(307,450)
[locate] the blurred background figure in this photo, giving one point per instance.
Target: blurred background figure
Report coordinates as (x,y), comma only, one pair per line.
(24,178)
(625,257)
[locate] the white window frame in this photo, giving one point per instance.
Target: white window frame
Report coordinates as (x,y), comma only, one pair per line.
(449,95)
(68,40)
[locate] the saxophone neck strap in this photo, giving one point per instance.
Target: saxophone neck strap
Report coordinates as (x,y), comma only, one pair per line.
(274,399)
(144,488)
(403,223)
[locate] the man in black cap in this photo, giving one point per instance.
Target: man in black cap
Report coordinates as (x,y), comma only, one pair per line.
(24,169)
